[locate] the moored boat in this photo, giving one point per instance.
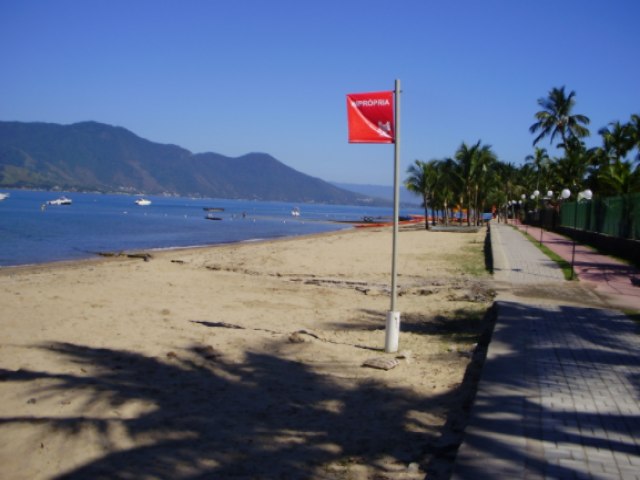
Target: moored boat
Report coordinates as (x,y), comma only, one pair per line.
(60,201)
(4,196)
(143,202)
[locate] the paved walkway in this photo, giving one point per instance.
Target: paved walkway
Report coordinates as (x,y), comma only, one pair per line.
(559,395)
(616,282)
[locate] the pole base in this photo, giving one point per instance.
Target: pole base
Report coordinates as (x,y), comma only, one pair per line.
(392,332)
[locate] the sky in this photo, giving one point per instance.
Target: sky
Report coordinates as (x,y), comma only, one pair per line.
(241,76)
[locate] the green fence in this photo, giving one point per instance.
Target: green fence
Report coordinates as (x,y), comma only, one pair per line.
(614,216)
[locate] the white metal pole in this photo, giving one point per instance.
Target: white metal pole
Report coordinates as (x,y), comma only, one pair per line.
(392,331)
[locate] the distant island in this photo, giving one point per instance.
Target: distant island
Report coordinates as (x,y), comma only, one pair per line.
(95,157)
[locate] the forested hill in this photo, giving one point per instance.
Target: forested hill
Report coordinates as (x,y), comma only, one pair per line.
(91,156)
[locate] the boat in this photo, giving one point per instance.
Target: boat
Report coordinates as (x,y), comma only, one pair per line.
(213,209)
(60,201)
(295,212)
(4,196)
(212,217)
(143,202)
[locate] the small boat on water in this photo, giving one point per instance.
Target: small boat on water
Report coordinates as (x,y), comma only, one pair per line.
(212,217)
(60,201)
(295,212)
(213,209)
(4,196)
(143,202)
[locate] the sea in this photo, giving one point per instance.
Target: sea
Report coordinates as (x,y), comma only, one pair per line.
(32,232)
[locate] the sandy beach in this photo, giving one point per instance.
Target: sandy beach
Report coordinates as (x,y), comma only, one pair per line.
(241,361)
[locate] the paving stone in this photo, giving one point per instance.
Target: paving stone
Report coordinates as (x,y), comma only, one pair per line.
(582,407)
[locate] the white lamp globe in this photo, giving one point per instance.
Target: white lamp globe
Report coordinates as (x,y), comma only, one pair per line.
(566,193)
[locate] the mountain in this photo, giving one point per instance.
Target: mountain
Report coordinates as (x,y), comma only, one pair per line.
(91,156)
(382,192)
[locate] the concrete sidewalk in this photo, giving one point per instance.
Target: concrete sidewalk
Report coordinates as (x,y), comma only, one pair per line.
(559,395)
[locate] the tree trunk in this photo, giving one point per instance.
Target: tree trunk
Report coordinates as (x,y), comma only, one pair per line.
(426,212)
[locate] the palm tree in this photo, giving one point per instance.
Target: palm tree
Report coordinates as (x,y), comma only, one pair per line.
(621,177)
(421,180)
(506,177)
(484,165)
(473,166)
(447,187)
(634,132)
(617,140)
(556,118)
(465,156)
(540,160)
(570,171)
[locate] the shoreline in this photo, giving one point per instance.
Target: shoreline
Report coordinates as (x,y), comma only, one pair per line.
(248,356)
(99,257)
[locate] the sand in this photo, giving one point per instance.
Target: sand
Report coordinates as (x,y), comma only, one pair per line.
(241,361)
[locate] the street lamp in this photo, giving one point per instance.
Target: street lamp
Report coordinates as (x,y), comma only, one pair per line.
(586,195)
(548,197)
(533,197)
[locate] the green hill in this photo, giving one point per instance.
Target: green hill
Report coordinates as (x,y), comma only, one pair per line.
(91,156)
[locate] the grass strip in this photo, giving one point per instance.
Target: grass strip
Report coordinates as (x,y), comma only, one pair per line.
(567,271)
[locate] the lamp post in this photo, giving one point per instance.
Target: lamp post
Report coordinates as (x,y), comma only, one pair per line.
(548,197)
(586,195)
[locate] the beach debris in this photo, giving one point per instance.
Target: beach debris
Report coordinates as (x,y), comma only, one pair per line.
(475,293)
(144,256)
(463,350)
(206,352)
(299,336)
(405,355)
(295,337)
(381,363)
(218,324)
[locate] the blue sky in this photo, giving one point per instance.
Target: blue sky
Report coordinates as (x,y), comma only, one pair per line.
(242,76)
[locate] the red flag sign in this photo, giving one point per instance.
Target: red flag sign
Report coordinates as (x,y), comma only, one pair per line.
(370,117)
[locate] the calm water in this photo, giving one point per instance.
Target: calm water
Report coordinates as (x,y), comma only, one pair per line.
(110,223)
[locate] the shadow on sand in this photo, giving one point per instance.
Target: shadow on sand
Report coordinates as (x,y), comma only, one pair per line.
(207,417)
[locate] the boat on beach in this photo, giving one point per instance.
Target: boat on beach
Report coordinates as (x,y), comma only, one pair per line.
(143,202)
(60,201)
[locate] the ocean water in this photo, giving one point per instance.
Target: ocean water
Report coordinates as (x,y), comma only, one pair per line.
(31,234)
